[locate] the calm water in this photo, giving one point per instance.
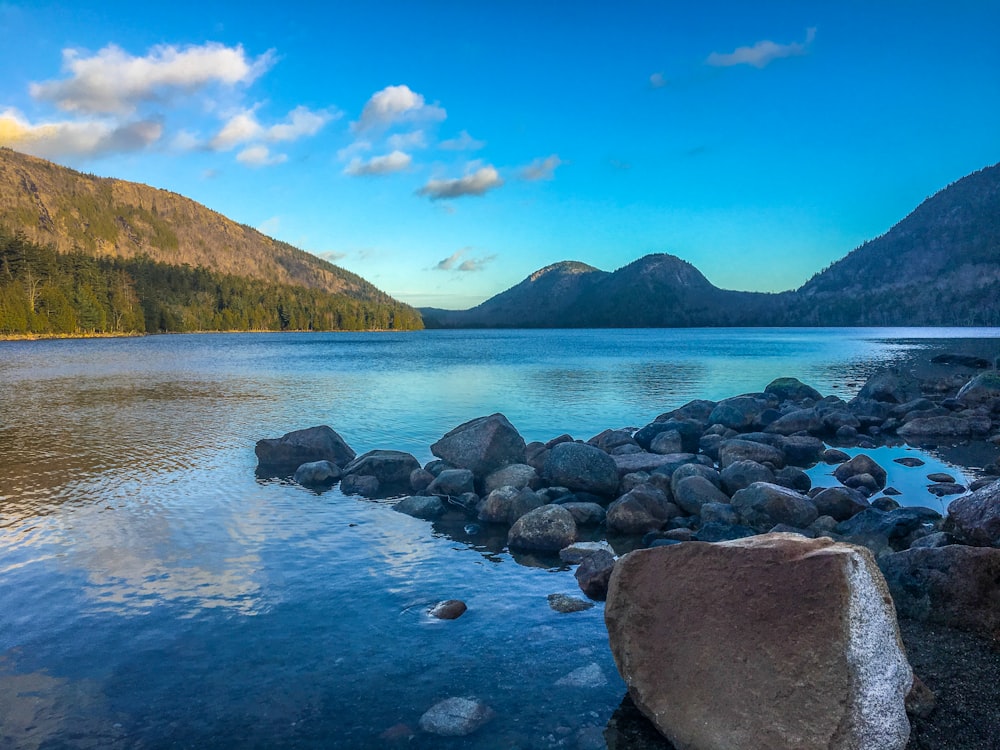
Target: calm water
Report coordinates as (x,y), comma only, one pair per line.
(154,594)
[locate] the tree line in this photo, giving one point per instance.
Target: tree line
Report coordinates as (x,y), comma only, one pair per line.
(44,292)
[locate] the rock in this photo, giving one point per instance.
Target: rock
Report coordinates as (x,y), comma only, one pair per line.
(920,701)
(893,525)
(909,461)
(576,552)
(452,483)
(420,480)
(482,445)
(864,482)
(934,539)
(861,464)
(565,604)
(869,412)
(643,509)
(586,514)
(890,385)
(943,489)
(512,475)
(954,586)
(360,484)
(802,450)
(976,517)
(791,389)
(697,411)
(964,360)
(736,449)
(650,462)
(944,427)
(421,507)
(741,474)
(589,676)
(776,641)
(608,440)
(548,528)
(722,532)
(840,503)
(594,573)
(666,442)
(762,505)
(392,469)
(839,419)
(694,491)
(579,466)
(293,449)
(721,513)
(694,470)
(451,609)
(456,717)
(317,474)
(800,420)
(793,478)
(507,504)
(834,456)
(978,484)
(981,389)
(739,413)
(688,431)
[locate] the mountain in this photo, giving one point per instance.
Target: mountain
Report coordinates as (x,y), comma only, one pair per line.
(196,268)
(938,266)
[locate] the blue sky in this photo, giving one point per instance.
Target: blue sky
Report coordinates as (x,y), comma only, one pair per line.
(445,150)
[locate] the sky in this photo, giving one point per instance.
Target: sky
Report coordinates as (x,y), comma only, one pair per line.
(444,150)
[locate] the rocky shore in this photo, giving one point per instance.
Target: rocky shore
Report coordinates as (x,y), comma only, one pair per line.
(722,474)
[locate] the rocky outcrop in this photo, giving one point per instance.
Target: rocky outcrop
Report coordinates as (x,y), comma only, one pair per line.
(293,449)
(481,445)
(766,643)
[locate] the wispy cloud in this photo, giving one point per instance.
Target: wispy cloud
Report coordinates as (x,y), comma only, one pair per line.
(115,82)
(458,262)
(76,138)
(396,161)
(402,141)
(657,81)
(393,105)
(244,127)
(479,182)
(464,142)
(259,156)
(331,256)
(541,169)
(761,53)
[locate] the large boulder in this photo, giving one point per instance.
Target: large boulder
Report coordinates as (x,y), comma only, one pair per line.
(548,528)
(890,386)
(739,413)
(419,506)
(791,389)
(774,642)
(954,585)
(452,483)
(644,508)
(482,445)
(692,492)
(800,420)
(945,426)
(392,469)
(763,505)
(976,517)
(741,474)
(293,449)
(737,449)
(581,467)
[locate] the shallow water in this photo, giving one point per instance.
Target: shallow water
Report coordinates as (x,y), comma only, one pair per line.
(153,593)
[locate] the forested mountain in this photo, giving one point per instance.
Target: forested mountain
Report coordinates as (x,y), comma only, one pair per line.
(938,266)
(76,251)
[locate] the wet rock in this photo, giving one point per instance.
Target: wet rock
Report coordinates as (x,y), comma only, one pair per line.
(576,552)
(589,676)
(943,489)
(840,503)
(593,574)
(688,431)
(392,469)
(869,412)
(885,503)
(721,513)
(456,717)
(508,504)
(317,474)
(360,484)
(566,604)
(692,492)
(978,484)
(722,532)
(513,475)
(771,642)
(650,462)
(801,450)
(739,413)
(871,524)
(976,517)
(586,514)
(579,466)
(945,427)
(891,491)
(549,528)
(909,461)
(861,464)
(793,478)
(450,609)
(834,456)
(800,420)
(762,505)
(608,440)
(452,482)
(954,586)
(865,483)
(633,480)
(666,442)
(736,449)
(791,389)
(741,474)
(697,411)
(890,385)
(420,506)
(940,476)
(420,480)
(964,360)
(482,445)
(934,539)
(839,419)
(920,701)
(981,389)
(293,449)
(643,509)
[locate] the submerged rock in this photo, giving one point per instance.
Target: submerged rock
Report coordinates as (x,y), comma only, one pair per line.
(417,506)
(450,609)
(771,642)
(589,676)
(456,717)
(565,604)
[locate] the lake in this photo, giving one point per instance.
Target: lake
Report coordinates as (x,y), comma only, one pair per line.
(155,594)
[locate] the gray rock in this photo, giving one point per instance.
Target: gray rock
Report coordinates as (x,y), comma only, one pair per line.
(317,474)
(739,413)
(650,462)
(593,574)
(861,464)
(840,418)
(456,717)
(566,604)
(794,478)
(894,525)
(741,474)
(791,389)
(451,609)
(608,440)
(576,552)
(840,503)
(891,386)
(736,449)
(586,514)
(909,461)
(452,483)
(834,456)
(802,450)
(482,445)
(800,420)
(945,427)
(507,504)
(721,513)
(981,389)
(420,480)
(697,411)
(293,449)
(694,470)
(976,517)
(548,528)
(692,492)
(666,442)
(934,539)
(589,676)
(513,475)
(392,469)
(360,484)
(420,507)
(579,466)
(643,509)
(689,432)
(943,489)
(722,532)
(762,505)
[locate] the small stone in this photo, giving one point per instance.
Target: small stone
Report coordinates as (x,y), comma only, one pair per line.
(920,701)
(565,604)
(456,717)
(576,552)
(594,573)
(909,461)
(451,609)
(589,676)
(944,489)
(941,477)
(419,506)
(317,474)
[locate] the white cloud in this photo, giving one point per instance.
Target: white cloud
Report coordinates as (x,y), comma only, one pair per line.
(479,182)
(269,226)
(115,82)
(396,161)
(238,129)
(416,139)
(259,156)
(541,169)
(395,104)
(762,53)
(455,262)
(300,122)
(464,142)
(352,150)
(657,81)
(244,127)
(76,138)
(185,140)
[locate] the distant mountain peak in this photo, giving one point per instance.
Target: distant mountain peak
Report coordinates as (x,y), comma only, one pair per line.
(563,267)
